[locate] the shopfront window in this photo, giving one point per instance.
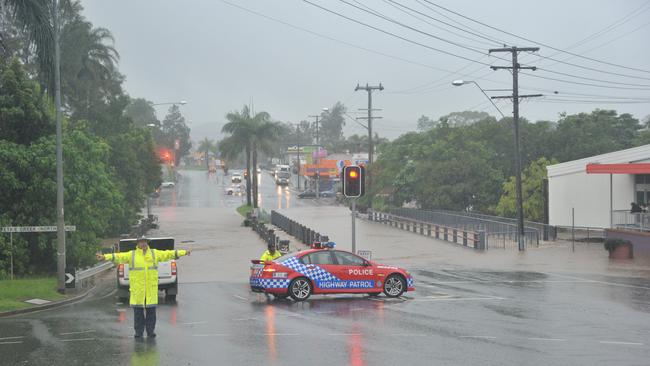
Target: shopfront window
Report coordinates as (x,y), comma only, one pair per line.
(642,188)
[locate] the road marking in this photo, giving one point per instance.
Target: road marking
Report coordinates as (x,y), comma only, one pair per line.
(78,340)
(461,299)
(18,337)
(622,343)
(547,339)
(406,335)
(15,342)
(281,334)
(240,297)
(192,323)
(599,282)
(344,334)
(480,337)
(244,319)
(70,333)
(210,335)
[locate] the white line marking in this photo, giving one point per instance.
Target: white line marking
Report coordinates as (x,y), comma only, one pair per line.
(623,343)
(18,337)
(599,282)
(18,342)
(78,340)
(281,334)
(210,335)
(70,333)
(406,335)
(481,337)
(240,297)
(192,323)
(462,299)
(547,339)
(344,334)
(244,319)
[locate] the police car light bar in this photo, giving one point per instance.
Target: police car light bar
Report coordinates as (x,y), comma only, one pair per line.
(323,245)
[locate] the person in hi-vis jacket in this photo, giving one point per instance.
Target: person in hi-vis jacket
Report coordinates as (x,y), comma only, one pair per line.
(143,281)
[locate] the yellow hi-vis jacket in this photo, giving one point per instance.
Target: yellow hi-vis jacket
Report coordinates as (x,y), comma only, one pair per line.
(143,272)
(267,256)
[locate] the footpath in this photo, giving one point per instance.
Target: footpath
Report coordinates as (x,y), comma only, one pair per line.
(393,246)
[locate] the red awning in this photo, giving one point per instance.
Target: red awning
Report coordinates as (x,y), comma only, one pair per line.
(628,168)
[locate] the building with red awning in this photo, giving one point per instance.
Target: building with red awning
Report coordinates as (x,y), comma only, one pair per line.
(593,190)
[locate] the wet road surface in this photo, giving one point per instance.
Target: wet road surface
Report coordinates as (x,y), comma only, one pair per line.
(459,315)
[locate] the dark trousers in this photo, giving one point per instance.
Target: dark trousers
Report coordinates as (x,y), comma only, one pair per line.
(140,320)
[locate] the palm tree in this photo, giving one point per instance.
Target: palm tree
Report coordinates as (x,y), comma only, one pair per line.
(252,134)
(239,127)
(206,146)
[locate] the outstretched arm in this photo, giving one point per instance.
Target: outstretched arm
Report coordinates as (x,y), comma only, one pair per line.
(167,255)
(114,257)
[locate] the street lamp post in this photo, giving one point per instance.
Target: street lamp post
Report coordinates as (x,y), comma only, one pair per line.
(520,213)
(298,151)
(60,222)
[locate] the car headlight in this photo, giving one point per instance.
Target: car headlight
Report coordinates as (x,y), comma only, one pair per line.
(280,275)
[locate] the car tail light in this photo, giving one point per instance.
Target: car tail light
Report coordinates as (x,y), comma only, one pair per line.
(173,268)
(120,271)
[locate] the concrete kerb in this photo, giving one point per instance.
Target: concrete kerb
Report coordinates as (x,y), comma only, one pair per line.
(52,305)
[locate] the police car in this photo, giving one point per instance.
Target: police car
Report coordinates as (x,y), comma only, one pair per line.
(324,270)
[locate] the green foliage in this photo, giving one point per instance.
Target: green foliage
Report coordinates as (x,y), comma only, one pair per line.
(532,192)
(142,113)
(25,114)
(206,146)
(331,126)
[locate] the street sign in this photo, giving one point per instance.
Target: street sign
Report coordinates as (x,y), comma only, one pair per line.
(365,254)
(70,278)
(35,229)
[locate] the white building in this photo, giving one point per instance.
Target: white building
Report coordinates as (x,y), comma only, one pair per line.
(610,184)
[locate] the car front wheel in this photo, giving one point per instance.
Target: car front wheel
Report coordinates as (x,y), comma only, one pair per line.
(300,289)
(394,286)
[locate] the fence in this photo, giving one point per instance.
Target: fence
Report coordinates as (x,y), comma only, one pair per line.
(83,277)
(639,221)
(299,231)
(498,234)
(468,238)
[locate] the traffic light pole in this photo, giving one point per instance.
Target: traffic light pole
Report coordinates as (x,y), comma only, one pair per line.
(354,233)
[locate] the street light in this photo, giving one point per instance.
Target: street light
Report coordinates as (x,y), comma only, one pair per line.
(520,214)
(182,102)
(463,82)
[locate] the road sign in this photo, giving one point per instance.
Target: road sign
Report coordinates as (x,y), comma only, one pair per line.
(35,229)
(365,254)
(70,278)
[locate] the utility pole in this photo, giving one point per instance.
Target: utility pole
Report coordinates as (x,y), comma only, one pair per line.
(317,159)
(60,222)
(515,112)
(370,117)
(298,138)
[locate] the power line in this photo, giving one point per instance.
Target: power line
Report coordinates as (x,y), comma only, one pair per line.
(529,40)
(586,84)
(393,34)
(375,13)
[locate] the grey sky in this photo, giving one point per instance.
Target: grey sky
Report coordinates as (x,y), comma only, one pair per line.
(219,57)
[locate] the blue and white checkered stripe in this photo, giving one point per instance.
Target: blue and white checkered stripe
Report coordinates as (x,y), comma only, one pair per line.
(312,272)
(269,282)
(409,282)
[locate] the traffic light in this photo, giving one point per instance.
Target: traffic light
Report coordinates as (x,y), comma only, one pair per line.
(353,179)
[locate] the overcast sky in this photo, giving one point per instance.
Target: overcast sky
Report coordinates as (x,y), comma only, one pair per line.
(219,57)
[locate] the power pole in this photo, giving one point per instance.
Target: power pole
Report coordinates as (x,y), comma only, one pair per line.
(317,158)
(515,112)
(298,138)
(60,222)
(370,117)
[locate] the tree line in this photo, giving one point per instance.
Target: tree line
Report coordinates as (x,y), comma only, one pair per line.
(110,162)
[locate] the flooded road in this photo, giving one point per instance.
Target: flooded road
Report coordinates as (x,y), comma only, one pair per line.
(460,314)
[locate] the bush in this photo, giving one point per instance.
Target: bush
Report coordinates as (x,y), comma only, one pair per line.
(612,244)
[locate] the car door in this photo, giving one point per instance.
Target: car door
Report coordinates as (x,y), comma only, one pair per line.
(355,272)
(319,267)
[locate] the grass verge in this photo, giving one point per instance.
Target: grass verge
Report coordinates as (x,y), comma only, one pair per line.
(244,209)
(14,293)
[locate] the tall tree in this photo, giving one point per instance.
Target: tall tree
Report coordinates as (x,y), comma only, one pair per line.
(174,129)
(331,125)
(142,112)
